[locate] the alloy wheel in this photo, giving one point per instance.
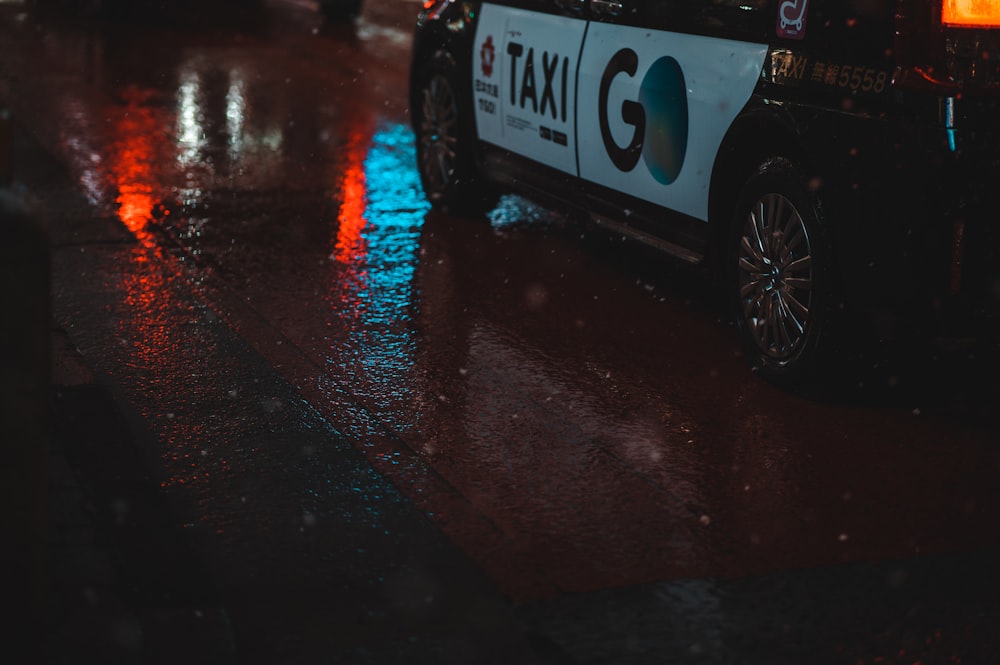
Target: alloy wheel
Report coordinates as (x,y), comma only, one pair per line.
(776,277)
(438,134)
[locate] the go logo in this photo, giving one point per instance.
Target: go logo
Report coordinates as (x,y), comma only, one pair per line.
(659,119)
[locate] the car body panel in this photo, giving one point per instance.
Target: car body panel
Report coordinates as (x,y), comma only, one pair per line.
(537,82)
(690,89)
(524,75)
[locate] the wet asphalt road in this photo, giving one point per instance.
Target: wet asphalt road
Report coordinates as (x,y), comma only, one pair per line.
(389,435)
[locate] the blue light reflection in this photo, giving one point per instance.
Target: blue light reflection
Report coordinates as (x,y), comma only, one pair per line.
(376,251)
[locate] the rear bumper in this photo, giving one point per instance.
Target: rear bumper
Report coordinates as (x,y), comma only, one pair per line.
(914,206)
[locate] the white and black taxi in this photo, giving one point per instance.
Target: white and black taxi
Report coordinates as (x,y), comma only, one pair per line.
(833,161)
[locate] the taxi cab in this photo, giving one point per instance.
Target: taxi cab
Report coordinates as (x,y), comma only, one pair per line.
(831,162)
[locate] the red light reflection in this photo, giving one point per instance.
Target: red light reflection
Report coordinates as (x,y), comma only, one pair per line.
(131,164)
(147,299)
(350,246)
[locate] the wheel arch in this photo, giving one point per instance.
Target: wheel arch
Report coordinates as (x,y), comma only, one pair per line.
(758,136)
(764,143)
(434,39)
(447,151)
(429,48)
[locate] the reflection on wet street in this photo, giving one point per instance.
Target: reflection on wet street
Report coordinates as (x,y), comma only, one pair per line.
(566,409)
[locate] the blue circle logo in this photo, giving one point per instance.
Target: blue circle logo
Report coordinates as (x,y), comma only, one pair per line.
(663,95)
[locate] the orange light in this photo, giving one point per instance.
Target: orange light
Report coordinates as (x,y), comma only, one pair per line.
(971,13)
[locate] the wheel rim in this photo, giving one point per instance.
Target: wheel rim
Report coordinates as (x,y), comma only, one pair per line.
(438,134)
(776,277)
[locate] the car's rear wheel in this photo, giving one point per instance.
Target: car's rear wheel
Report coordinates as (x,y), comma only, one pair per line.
(445,142)
(780,276)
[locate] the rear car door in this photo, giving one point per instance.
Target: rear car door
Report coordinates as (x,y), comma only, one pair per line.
(660,83)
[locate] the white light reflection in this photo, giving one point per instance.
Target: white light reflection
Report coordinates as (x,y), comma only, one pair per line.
(75,131)
(236,105)
(372,32)
(190,132)
(90,176)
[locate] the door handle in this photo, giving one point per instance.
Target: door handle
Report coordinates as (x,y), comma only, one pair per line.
(607,7)
(573,6)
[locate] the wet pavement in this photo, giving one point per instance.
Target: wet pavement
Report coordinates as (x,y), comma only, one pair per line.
(317,422)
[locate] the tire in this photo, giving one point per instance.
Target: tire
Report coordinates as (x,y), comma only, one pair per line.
(340,11)
(780,277)
(445,134)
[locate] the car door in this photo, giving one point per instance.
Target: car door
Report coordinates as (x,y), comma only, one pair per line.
(524,72)
(660,83)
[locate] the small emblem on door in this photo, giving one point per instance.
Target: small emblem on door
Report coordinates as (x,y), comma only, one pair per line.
(487,53)
(792,19)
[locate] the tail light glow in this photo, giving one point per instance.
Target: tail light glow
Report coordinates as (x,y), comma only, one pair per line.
(971,13)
